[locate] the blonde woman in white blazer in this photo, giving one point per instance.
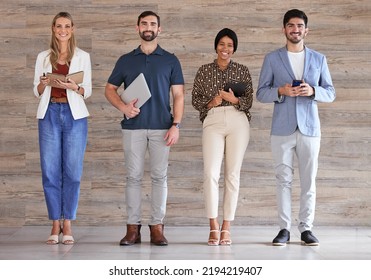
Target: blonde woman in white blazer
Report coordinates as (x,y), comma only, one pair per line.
(63,126)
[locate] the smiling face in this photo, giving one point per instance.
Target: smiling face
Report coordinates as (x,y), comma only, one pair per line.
(295,30)
(63,29)
(148,28)
(225,48)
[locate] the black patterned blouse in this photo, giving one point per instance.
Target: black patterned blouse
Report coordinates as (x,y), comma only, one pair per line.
(210,79)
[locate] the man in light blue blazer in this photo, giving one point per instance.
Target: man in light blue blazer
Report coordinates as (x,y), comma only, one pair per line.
(295,78)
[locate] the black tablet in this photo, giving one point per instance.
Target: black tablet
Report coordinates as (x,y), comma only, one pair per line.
(237,88)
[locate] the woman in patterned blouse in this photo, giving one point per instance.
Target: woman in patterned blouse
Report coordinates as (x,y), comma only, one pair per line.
(225,117)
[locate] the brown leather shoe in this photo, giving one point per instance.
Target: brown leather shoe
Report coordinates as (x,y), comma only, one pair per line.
(132,235)
(157,235)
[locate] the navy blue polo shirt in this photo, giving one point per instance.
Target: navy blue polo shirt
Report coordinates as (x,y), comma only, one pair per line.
(161,70)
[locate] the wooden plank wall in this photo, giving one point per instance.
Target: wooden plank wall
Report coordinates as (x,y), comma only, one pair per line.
(340,29)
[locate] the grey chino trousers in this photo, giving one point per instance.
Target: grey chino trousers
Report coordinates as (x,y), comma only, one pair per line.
(306,149)
(136,143)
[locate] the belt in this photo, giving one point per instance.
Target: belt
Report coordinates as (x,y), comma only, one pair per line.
(59,100)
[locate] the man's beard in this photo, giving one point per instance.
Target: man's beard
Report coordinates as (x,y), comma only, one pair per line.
(147,37)
(295,40)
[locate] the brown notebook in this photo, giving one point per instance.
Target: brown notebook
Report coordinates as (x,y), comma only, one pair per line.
(77,77)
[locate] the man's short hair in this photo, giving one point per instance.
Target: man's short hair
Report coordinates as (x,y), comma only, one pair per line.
(146,14)
(295,13)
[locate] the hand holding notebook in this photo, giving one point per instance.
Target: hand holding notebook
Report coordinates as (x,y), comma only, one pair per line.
(77,77)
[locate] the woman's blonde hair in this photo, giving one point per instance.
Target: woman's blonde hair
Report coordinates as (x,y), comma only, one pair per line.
(55,46)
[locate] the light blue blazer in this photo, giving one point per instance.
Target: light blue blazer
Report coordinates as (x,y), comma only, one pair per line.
(300,112)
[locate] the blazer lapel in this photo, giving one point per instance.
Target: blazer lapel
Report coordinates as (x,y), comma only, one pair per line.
(286,62)
(308,56)
(75,62)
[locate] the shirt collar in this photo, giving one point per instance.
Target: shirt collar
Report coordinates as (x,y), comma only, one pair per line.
(158,51)
(217,66)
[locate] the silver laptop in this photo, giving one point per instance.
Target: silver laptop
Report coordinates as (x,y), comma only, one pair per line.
(137,89)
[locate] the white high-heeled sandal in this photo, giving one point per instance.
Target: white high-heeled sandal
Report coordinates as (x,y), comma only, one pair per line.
(225,241)
(213,241)
(68,240)
(53,239)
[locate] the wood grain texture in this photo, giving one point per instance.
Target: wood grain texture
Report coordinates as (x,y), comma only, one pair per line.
(106,29)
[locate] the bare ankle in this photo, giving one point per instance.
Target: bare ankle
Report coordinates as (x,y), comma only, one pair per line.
(67,227)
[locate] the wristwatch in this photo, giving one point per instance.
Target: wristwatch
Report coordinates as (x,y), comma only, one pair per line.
(176,124)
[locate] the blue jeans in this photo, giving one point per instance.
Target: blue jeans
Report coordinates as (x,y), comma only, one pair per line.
(62,143)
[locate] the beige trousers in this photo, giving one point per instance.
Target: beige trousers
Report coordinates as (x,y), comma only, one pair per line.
(226,133)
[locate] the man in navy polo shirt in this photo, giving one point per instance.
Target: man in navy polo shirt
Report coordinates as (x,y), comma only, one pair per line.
(152,127)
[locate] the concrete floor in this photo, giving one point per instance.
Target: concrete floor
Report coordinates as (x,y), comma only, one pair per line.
(252,244)
(185,243)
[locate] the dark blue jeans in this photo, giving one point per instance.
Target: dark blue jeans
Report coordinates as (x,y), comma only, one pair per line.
(62,143)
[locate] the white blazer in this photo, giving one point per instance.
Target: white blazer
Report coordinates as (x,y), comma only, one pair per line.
(80,62)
